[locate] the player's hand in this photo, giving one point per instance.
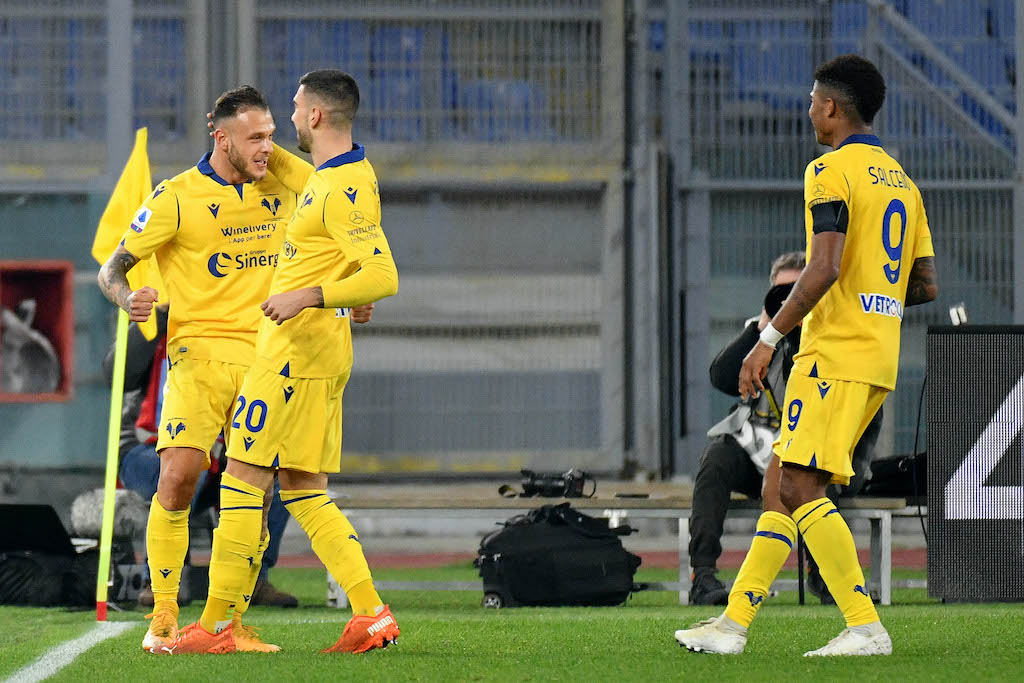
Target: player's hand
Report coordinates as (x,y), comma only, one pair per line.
(755,367)
(287,305)
(362,314)
(209,122)
(140,304)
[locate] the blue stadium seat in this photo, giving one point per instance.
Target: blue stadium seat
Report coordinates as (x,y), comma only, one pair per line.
(290,48)
(395,95)
(160,79)
(945,19)
(656,36)
(496,110)
(849,20)
(490,110)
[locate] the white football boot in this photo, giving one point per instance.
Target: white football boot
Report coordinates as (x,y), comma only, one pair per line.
(714,636)
(852,643)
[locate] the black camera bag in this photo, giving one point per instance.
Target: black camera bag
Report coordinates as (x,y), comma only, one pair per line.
(555,555)
(39,579)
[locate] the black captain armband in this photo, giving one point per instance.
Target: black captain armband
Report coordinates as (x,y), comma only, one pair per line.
(830,216)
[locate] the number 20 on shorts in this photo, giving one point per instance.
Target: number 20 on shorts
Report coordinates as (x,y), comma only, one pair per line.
(256,407)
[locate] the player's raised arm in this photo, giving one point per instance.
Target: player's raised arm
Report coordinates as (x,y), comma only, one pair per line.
(293,171)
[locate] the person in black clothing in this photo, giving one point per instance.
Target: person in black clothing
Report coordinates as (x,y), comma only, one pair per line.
(740,446)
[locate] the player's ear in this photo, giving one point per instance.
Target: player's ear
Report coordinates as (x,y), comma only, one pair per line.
(315,116)
(220,138)
(831,108)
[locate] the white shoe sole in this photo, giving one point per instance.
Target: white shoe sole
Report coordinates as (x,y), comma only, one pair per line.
(152,644)
(880,644)
(699,645)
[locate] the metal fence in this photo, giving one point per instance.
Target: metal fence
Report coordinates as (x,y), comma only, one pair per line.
(949,118)
(584,195)
(446,71)
(486,127)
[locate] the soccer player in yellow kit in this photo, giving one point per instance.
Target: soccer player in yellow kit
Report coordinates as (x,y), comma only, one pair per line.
(869,255)
(216,230)
(335,256)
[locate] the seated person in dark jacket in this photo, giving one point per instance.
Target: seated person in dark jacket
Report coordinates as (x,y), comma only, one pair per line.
(740,446)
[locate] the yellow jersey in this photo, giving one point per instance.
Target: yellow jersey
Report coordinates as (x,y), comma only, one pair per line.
(334,241)
(217,245)
(853,333)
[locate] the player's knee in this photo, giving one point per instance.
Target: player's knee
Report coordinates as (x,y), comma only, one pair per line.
(179,473)
(174,493)
(771,501)
(791,493)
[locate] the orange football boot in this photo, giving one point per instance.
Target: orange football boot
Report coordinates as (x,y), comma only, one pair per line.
(364,633)
(195,640)
(247,638)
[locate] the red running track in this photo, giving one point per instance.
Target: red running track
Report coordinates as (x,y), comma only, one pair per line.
(913,558)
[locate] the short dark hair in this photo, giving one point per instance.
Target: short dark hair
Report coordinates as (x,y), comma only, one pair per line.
(236,101)
(337,90)
(793,260)
(856,80)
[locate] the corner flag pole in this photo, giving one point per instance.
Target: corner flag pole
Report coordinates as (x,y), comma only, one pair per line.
(110,481)
(131,190)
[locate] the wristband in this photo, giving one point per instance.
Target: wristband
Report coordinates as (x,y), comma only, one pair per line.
(770,336)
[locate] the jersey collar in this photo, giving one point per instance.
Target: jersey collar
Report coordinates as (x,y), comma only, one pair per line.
(358,153)
(862,139)
(206,169)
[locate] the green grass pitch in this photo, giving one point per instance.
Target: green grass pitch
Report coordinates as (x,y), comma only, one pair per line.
(449,637)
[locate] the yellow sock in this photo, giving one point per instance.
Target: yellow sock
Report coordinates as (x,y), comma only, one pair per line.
(254,575)
(829,540)
(166,606)
(166,543)
(235,542)
(336,544)
(773,540)
(364,599)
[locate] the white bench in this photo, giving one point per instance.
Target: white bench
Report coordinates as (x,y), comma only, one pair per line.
(878,511)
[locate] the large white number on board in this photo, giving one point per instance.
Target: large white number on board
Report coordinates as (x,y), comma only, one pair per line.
(966,495)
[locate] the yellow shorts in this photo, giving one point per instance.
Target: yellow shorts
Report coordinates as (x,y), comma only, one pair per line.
(822,422)
(199,396)
(289,422)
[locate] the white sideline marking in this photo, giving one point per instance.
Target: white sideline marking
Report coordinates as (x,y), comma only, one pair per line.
(49,663)
(59,657)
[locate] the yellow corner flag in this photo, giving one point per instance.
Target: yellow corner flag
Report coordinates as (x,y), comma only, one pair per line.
(133,187)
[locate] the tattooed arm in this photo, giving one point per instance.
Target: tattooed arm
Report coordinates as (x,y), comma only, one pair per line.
(820,274)
(113,281)
(923,286)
